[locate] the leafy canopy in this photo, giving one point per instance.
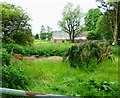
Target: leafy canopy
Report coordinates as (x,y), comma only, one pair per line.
(70,22)
(15,26)
(91,18)
(45,33)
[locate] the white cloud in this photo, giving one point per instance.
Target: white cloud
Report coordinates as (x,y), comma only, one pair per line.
(48,12)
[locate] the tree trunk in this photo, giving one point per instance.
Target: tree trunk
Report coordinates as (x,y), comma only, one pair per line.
(119,23)
(73,36)
(116,34)
(70,37)
(116,31)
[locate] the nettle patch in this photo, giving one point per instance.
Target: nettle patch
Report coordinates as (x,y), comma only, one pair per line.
(89,53)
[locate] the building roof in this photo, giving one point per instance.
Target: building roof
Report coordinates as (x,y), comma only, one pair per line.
(83,33)
(80,37)
(61,35)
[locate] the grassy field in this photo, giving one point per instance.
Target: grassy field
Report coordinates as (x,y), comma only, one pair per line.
(52,76)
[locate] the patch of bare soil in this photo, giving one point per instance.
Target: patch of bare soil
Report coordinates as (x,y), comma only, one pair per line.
(35,57)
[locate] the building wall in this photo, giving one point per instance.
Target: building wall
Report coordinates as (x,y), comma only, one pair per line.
(58,40)
(80,41)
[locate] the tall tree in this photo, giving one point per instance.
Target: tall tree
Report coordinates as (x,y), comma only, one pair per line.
(15,26)
(112,10)
(102,29)
(116,6)
(70,22)
(119,25)
(91,19)
(45,34)
(49,29)
(43,30)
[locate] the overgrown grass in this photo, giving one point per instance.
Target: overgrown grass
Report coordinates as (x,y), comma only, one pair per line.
(57,77)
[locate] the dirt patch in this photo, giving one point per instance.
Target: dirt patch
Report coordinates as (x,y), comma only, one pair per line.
(42,58)
(35,57)
(54,58)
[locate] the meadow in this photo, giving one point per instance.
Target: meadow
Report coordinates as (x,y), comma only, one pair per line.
(52,75)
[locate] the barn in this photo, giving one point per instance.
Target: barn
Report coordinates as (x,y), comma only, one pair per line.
(81,38)
(59,36)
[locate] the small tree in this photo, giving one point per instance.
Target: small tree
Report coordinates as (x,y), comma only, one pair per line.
(70,22)
(37,36)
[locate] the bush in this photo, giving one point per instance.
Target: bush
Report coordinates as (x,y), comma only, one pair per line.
(6,58)
(14,78)
(85,54)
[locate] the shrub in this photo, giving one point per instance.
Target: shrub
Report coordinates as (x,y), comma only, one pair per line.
(6,58)
(14,78)
(84,54)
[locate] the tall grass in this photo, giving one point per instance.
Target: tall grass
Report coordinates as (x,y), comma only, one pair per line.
(55,76)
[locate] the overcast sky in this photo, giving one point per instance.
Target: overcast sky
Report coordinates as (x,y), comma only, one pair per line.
(48,12)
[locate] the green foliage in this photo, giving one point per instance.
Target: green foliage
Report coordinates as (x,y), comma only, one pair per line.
(103,30)
(116,51)
(23,38)
(70,22)
(37,36)
(48,49)
(45,34)
(91,18)
(15,26)
(6,58)
(103,88)
(7,39)
(92,35)
(14,78)
(84,54)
